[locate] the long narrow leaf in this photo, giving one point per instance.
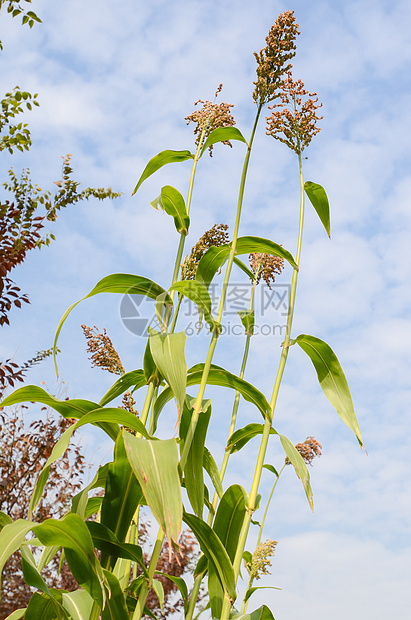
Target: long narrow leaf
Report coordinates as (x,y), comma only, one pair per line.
(78,604)
(72,534)
(155,464)
(299,466)
(332,379)
(262,613)
(214,550)
(168,354)
(318,198)
(105,540)
(115,607)
(11,537)
(45,607)
(172,202)
(160,160)
(243,435)
(198,293)
(248,245)
(123,283)
(222,134)
(133,378)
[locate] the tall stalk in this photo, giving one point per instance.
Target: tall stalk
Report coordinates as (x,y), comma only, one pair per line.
(268,421)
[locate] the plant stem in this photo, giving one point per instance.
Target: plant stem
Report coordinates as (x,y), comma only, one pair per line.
(260,532)
(139,610)
(268,421)
(213,343)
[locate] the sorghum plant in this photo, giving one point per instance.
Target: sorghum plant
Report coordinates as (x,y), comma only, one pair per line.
(148,471)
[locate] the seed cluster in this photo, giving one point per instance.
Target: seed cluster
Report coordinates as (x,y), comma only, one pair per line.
(309,449)
(210,117)
(294,122)
(266,266)
(103,353)
(261,559)
(272,60)
(217,235)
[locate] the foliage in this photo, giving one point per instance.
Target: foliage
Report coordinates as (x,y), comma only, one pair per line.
(101,540)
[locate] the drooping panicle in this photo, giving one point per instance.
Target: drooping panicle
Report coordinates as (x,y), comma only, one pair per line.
(209,117)
(294,120)
(217,236)
(266,266)
(272,60)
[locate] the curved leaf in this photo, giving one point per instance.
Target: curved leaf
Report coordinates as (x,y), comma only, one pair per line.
(159,590)
(210,263)
(332,379)
(123,283)
(318,198)
(262,613)
(160,160)
(172,202)
(193,469)
(248,320)
(45,607)
(168,354)
(221,134)
(122,496)
(198,293)
(11,537)
(251,591)
(243,435)
(223,378)
(115,607)
(300,467)
(181,585)
(98,415)
(78,604)
(105,540)
(248,245)
(214,550)
(72,534)
(227,525)
(155,465)
(211,468)
(134,378)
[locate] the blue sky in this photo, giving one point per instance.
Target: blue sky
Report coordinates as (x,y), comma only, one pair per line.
(115,83)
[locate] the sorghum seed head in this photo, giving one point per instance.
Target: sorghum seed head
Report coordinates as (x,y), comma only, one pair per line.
(217,235)
(266,266)
(261,559)
(309,449)
(272,60)
(210,117)
(294,122)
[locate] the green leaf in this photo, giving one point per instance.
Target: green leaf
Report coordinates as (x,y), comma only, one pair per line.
(172,202)
(78,604)
(300,467)
(74,408)
(271,469)
(160,160)
(80,501)
(17,614)
(155,464)
(198,293)
(134,378)
(227,525)
(122,496)
(248,245)
(11,537)
(193,470)
(4,520)
(72,534)
(247,319)
(105,540)
(218,376)
(262,613)
(221,134)
(168,354)
(45,607)
(98,415)
(243,435)
(318,198)
(332,379)
(123,283)
(251,591)
(211,468)
(244,268)
(211,261)
(159,590)
(115,607)
(31,574)
(181,585)
(214,550)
